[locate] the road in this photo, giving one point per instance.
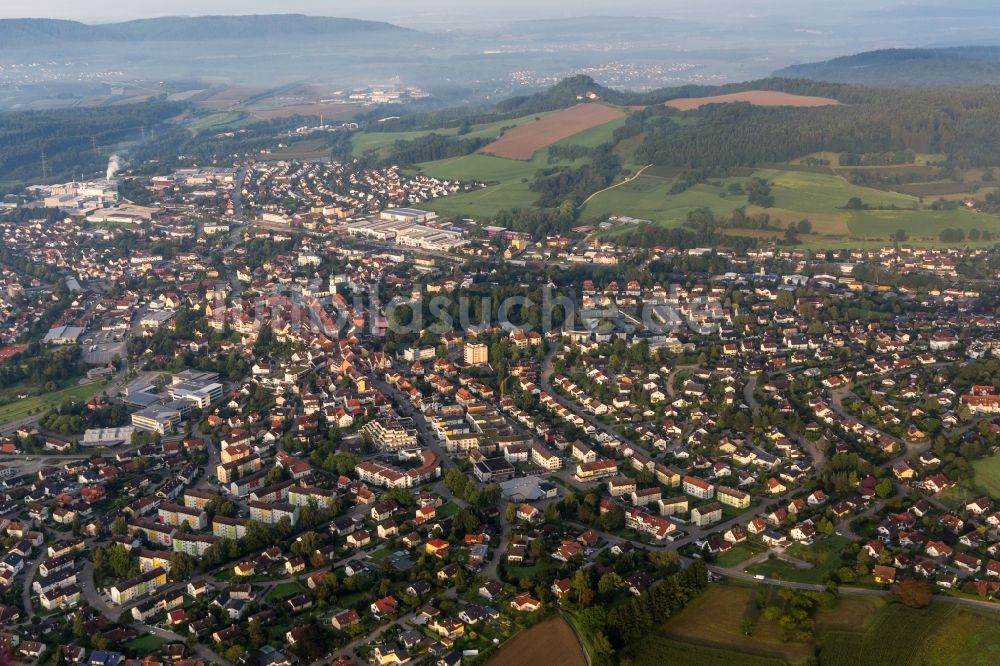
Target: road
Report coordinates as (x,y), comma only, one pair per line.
(611,187)
(418,421)
(807,445)
(32,569)
(547,371)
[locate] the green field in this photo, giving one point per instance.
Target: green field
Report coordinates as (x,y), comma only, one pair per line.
(985,481)
(594,136)
(647,197)
(820,198)
(224,120)
(919,225)
(858,631)
(739,553)
(657,650)
(797,195)
(512,189)
(20,409)
(939,635)
(714,620)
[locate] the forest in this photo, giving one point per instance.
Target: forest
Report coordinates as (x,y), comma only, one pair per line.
(957,123)
(74,141)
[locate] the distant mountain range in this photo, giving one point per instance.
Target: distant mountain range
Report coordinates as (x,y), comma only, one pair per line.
(955,66)
(35,32)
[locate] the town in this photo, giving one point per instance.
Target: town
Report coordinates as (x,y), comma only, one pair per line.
(239,426)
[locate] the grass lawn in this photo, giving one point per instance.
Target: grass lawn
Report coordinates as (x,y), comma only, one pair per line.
(446,510)
(19,409)
(307,149)
(381,555)
(985,481)
(818,197)
(522,572)
(144,645)
(824,555)
(284,591)
(740,553)
(797,194)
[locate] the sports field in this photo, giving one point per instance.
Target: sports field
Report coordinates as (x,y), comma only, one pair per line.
(20,409)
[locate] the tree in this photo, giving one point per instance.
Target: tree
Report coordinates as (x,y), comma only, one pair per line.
(785,300)
(510,513)
(805,227)
(609,583)
(581,588)
(182,566)
(883,488)
(79,629)
(233,653)
(256,633)
(914,593)
(119,527)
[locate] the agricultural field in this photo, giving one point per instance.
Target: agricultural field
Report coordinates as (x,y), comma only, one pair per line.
(657,650)
(727,606)
(940,634)
(754,97)
(858,630)
(510,182)
(223,120)
(923,224)
(648,197)
(364,142)
(306,149)
(337,111)
(551,642)
(819,197)
(522,142)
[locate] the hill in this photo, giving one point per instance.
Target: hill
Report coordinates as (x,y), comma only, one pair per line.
(16,32)
(958,66)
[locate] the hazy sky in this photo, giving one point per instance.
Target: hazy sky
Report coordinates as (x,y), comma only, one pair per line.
(451,12)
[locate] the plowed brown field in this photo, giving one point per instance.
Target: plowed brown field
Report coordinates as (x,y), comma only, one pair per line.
(755,97)
(521,142)
(550,642)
